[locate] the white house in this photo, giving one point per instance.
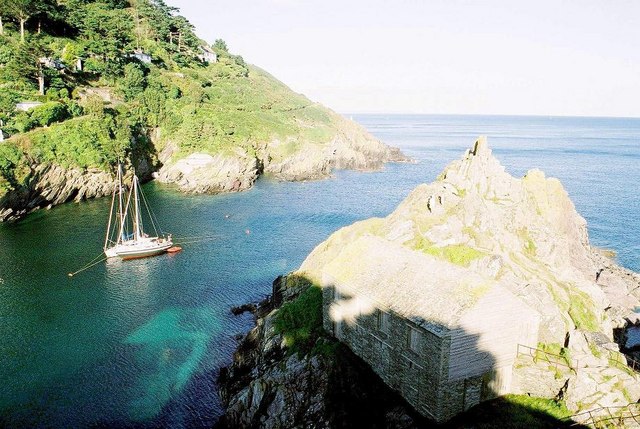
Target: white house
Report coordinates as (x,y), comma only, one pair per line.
(207,55)
(141,55)
(27,105)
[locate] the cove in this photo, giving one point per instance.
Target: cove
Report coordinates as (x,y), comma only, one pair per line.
(139,343)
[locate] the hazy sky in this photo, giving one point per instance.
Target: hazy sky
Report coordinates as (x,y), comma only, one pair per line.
(544,57)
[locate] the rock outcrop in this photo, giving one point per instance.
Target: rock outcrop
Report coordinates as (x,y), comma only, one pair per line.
(268,386)
(526,234)
(50,185)
(291,159)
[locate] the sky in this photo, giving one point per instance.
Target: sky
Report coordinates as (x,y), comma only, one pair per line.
(539,57)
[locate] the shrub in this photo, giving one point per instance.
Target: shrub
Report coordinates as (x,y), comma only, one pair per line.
(300,321)
(22,123)
(175,92)
(49,113)
(74,108)
(133,82)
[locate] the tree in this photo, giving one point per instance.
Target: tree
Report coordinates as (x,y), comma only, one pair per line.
(22,10)
(23,66)
(133,82)
(220,45)
(186,37)
(3,12)
(158,16)
(106,33)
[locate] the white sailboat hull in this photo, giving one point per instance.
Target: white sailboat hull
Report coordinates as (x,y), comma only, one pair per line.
(141,248)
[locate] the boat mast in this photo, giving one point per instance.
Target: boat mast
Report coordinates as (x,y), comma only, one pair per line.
(113,201)
(120,204)
(136,206)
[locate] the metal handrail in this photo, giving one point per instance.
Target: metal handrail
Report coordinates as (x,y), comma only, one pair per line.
(535,352)
(595,418)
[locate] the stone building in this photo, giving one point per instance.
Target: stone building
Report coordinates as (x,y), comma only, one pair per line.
(441,335)
(207,55)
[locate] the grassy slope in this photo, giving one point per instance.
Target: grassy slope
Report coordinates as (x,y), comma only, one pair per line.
(222,110)
(223,107)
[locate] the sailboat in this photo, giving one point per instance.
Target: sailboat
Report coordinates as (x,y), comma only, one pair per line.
(125,236)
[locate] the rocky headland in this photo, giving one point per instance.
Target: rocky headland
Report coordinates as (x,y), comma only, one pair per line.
(236,169)
(486,230)
(289,159)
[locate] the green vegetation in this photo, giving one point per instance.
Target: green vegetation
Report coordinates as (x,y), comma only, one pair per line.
(577,304)
(529,245)
(581,310)
(515,411)
(300,321)
(101,102)
(554,353)
(458,254)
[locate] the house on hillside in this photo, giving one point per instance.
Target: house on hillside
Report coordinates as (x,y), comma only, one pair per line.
(52,63)
(207,55)
(27,105)
(141,56)
(441,335)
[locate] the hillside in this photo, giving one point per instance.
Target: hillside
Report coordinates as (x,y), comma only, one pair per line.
(129,80)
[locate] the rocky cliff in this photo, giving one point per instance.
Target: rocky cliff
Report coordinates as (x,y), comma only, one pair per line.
(48,185)
(526,234)
(290,159)
(271,385)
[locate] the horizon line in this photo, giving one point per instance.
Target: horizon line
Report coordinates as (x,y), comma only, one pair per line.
(521,115)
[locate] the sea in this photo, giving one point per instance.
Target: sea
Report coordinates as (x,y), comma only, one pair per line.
(139,344)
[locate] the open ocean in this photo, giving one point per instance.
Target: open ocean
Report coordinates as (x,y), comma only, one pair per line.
(139,343)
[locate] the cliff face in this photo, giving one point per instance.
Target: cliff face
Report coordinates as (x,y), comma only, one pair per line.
(48,185)
(269,386)
(51,185)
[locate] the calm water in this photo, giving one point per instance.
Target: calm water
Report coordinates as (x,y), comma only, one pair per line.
(138,344)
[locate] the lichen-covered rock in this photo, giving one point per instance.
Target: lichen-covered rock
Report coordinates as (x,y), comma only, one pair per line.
(477,221)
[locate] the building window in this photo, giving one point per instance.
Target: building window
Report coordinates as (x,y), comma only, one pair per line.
(383,321)
(414,340)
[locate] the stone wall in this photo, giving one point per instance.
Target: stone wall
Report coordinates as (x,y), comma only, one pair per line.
(415,374)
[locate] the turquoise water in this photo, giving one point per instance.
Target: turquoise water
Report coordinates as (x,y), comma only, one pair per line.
(139,343)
